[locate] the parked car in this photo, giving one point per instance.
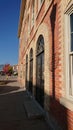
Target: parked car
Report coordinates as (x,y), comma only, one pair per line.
(2,73)
(15,73)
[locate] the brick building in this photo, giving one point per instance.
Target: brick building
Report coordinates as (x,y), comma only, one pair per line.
(15,68)
(46,56)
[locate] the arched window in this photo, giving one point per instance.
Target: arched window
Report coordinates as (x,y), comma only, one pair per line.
(31,72)
(31,54)
(26,59)
(27,71)
(40,45)
(40,70)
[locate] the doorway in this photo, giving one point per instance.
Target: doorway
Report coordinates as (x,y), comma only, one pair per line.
(40,71)
(31,72)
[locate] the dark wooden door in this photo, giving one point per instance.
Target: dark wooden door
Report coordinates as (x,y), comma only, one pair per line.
(31,77)
(26,75)
(40,79)
(26,71)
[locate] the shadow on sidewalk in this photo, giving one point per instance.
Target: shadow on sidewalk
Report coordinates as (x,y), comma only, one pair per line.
(7,89)
(12,112)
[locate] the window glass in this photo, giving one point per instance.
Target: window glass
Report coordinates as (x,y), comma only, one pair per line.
(72,42)
(41,1)
(40,44)
(31,54)
(71,30)
(26,58)
(71,22)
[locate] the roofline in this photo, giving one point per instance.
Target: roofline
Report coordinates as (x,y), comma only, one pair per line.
(22,8)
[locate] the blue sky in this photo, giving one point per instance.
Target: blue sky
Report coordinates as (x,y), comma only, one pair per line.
(9,42)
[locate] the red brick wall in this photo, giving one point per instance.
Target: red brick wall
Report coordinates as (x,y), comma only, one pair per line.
(55,63)
(63,116)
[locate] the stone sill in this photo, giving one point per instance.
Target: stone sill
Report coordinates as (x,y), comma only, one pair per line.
(67,103)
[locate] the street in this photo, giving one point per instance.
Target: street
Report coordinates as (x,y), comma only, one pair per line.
(5,77)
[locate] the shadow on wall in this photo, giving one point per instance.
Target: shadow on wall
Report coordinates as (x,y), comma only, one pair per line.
(52,64)
(57,111)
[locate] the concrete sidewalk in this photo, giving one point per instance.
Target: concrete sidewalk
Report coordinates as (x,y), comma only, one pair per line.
(18,111)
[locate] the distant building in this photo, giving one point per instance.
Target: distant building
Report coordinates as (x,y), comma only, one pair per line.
(46,56)
(15,68)
(1,67)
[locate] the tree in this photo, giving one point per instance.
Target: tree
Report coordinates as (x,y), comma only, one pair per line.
(7,69)
(10,70)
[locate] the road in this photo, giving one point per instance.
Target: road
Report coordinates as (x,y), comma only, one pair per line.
(5,77)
